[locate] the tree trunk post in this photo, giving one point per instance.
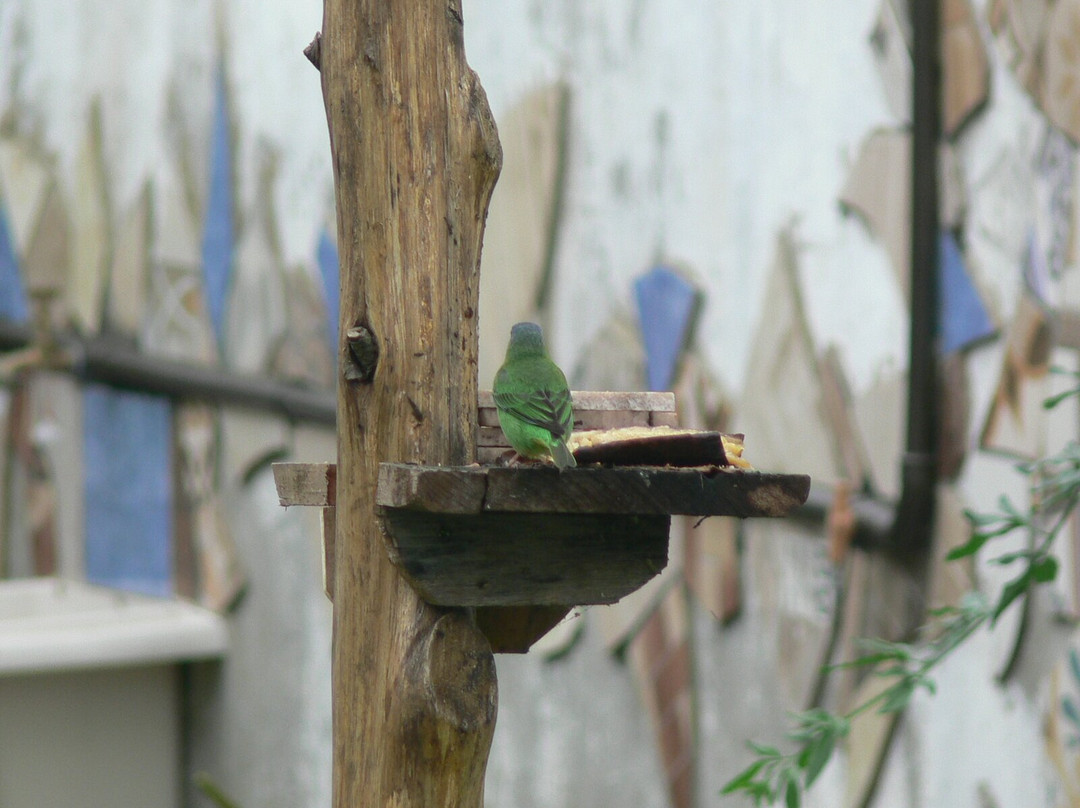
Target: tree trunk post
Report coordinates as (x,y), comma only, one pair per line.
(416,155)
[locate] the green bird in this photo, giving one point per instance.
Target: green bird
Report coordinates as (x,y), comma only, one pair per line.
(532,398)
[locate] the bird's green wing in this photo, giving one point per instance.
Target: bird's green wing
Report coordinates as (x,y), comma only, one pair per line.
(545,408)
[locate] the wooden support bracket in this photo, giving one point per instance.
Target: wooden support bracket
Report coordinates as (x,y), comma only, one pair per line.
(525,544)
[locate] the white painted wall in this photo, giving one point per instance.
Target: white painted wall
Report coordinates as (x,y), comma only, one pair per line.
(699,128)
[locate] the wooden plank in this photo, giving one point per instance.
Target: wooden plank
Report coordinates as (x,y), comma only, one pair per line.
(632,490)
(584,421)
(513,629)
(593,401)
(509,629)
(452,490)
(541,489)
(512,559)
(715,492)
(306,483)
(663,418)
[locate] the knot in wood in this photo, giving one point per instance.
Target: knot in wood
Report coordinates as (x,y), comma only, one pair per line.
(461,673)
(363,355)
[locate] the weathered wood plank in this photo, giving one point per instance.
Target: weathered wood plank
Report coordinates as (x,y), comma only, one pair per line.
(456,490)
(512,559)
(646,490)
(542,489)
(509,629)
(593,400)
(639,490)
(513,629)
(583,422)
(663,418)
(601,410)
(306,483)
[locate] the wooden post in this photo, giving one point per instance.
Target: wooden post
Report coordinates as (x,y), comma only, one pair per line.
(416,155)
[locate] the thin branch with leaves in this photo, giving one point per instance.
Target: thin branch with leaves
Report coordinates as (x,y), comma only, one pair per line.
(1055,493)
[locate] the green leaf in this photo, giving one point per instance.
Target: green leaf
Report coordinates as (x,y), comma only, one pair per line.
(1008,558)
(791,796)
(1007,507)
(983,519)
(972,546)
(986,526)
(1053,401)
(205,783)
(1068,706)
(898,697)
(899,651)
(974,604)
(819,753)
(1074,664)
(1014,589)
(760,791)
(764,750)
(1059,484)
(868,661)
(1044,570)
(813,724)
(744,778)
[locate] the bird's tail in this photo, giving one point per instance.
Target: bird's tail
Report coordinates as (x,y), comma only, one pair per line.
(561,455)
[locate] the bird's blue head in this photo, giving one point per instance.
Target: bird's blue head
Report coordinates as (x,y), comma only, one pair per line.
(526,339)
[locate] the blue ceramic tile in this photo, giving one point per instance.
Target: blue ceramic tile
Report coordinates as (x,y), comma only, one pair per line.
(13,303)
(963,318)
(218,233)
(127,444)
(666,304)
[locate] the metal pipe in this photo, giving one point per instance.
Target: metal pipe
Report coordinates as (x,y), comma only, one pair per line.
(912,529)
(116,362)
(905,527)
(874,517)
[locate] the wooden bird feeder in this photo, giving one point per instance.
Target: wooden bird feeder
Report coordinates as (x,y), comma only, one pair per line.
(523,544)
(416,155)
